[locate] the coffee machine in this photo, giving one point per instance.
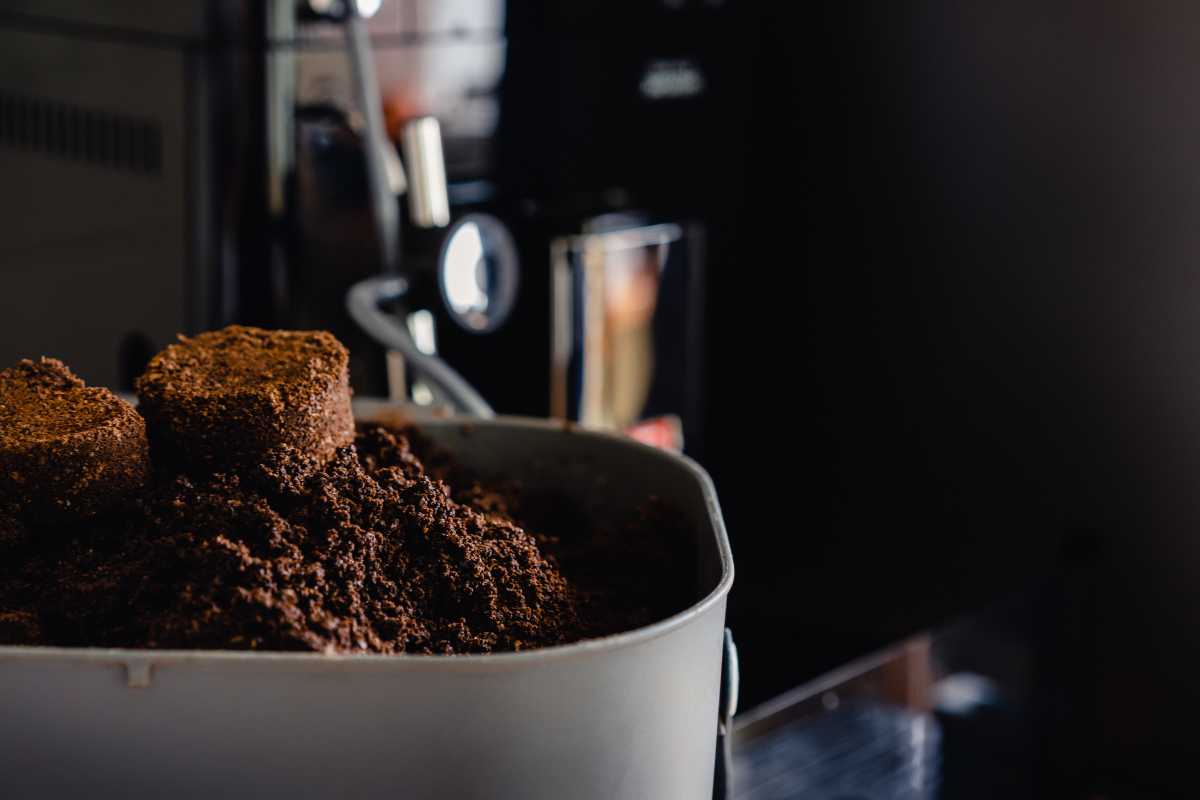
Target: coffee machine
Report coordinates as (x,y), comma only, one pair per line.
(177,167)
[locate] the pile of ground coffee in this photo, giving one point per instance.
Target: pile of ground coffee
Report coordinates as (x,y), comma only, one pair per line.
(370,552)
(261,519)
(351,558)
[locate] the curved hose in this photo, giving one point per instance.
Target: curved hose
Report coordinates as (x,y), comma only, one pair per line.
(363,301)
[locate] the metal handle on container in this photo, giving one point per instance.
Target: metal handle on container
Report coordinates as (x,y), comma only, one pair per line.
(363,302)
(730,679)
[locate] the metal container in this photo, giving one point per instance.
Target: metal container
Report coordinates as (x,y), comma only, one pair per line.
(627,716)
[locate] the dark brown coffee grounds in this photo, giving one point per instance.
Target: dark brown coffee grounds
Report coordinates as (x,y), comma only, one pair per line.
(66,450)
(366,553)
(261,520)
(240,397)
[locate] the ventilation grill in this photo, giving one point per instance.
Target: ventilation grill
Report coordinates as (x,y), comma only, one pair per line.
(80,134)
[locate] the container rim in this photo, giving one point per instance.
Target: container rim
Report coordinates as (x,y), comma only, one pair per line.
(434,662)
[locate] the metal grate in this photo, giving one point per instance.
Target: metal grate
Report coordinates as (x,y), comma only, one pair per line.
(86,135)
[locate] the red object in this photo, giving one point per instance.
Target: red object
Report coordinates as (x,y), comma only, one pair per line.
(665,432)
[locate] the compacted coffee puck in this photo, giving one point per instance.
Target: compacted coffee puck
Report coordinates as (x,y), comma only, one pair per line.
(243,398)
(66,450)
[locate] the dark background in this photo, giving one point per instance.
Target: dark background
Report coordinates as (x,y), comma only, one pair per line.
(969,304)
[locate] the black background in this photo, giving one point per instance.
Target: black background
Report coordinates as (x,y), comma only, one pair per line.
(959,344)
(953,322)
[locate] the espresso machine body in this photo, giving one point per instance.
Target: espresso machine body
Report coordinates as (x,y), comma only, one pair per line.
(150,150)
(176,167)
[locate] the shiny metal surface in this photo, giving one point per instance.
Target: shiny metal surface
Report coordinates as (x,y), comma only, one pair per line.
(363,303)
(479,273)
(428,201)
(605,293)
(384,205)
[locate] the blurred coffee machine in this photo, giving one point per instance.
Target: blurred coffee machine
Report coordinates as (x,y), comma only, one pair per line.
(180,166)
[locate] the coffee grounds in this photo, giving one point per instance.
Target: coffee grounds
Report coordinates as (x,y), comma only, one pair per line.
(626,569)
(239,397)
(66,450)
(368,552)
